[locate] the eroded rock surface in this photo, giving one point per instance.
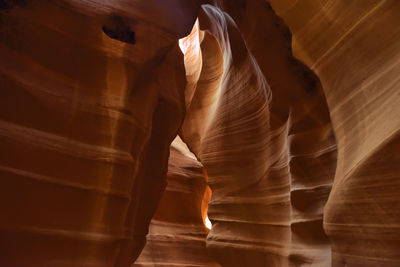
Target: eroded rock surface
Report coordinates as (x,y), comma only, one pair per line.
(92,93)
(85,126)
(177,234)
(355,50)
(258,141)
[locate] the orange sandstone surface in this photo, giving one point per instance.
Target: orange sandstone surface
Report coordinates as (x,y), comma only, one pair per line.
(125,125)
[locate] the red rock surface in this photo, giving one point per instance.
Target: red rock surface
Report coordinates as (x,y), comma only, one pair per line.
(291,106)
(177,233)
(85,126)
(354,48)
(258,143)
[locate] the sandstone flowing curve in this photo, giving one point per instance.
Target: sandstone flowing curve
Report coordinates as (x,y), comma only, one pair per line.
(91,96)
(355,50)
(290,106)
(266,206)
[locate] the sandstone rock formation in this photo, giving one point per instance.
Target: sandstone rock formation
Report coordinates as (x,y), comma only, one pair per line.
(85,126)
(267,203)
(292,108)
(177,233)
(355,50)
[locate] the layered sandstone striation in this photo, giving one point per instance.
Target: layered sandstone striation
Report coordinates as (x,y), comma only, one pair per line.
(292,108)
(355,50)
(268,148)
(91,96)
(177,233)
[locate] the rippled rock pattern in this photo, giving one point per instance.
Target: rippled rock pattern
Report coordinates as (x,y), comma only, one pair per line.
(85,127)
(355,50)
(292,108)
(268,148)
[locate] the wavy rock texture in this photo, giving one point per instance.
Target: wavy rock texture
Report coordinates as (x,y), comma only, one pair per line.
(177,235)
(92,93)
(270,164)
(355,50)
(89,105)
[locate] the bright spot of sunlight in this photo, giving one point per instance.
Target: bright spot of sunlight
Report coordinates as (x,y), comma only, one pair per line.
(208,223)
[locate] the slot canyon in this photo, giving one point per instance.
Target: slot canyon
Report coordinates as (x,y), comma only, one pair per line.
(199,133)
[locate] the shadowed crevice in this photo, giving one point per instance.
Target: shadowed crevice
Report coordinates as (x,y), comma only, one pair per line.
(117,28)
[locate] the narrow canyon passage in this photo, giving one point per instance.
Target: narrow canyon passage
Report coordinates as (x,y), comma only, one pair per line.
(127,127)
(251,137)
(178,230)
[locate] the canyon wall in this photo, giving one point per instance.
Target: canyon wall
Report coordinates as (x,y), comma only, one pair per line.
(261,127)
(292,107)
(354,47)
(345,46)
(91,96)
(177,233)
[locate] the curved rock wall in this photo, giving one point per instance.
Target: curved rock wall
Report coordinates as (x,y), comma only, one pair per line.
(92,93)
(354,47)
(270,164)
(89,105)
(177,234)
